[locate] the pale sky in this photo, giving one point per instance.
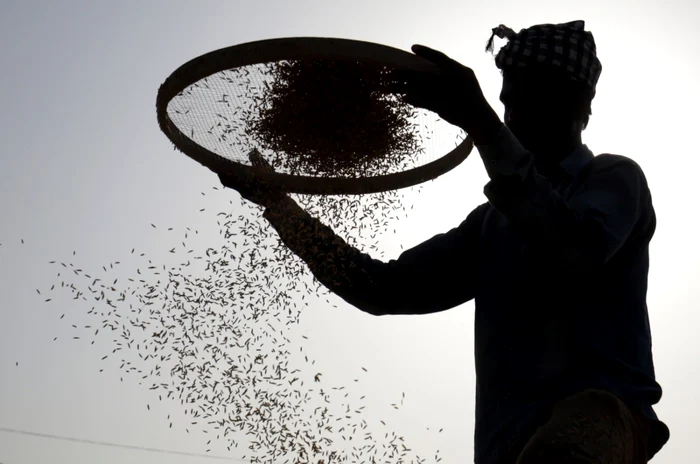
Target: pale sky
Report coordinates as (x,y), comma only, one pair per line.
(85,167)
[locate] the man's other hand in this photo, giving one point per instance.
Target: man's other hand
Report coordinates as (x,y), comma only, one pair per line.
(255,191)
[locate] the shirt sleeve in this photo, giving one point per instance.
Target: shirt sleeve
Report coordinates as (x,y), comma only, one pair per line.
(433,276)
(578,234)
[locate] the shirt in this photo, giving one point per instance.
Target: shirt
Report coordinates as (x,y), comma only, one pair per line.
(557,266)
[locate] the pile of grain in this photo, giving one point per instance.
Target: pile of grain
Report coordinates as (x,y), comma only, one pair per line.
(332,118)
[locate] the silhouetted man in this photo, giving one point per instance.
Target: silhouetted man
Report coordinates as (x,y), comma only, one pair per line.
(556,261)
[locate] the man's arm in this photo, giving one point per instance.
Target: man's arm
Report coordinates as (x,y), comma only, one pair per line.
(577,235)
(436,275)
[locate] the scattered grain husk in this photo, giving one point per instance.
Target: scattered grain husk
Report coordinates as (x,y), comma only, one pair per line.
(212,327)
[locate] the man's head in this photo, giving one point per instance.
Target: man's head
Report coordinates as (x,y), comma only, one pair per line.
(543,104)
(550,72)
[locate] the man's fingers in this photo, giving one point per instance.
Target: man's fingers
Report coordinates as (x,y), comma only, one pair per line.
(259,162)
(444,62)
(430,54)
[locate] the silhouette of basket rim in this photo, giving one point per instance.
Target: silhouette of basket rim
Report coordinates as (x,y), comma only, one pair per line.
(299,48)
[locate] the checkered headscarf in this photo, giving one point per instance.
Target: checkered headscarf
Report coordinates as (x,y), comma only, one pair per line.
(566,46)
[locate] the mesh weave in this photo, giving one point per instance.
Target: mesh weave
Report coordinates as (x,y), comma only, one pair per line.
(216,111)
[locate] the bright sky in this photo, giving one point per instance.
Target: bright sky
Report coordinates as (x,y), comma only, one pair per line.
(85,167)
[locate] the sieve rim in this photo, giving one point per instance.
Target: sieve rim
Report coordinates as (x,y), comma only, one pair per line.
(299,48)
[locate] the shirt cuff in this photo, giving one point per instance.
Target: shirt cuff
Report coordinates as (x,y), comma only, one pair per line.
(505,155)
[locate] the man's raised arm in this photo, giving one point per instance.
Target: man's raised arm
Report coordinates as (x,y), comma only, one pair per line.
(436,275)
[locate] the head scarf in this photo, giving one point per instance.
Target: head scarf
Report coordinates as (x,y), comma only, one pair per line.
(566,46)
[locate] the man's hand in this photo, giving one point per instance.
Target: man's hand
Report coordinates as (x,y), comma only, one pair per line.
(454,94)
(254,191)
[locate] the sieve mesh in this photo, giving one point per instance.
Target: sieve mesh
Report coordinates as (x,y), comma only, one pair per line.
(332,118)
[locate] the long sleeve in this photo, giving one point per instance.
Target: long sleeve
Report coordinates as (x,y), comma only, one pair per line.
(575,234)
(436,275)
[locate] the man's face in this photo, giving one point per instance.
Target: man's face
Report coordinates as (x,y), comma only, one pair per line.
(537,107)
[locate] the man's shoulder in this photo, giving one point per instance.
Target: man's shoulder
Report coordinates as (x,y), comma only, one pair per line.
(606,161)
(609,163)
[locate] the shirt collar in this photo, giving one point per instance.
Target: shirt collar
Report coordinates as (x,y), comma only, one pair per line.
(576,160)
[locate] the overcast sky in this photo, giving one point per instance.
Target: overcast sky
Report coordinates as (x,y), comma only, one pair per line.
(85,168)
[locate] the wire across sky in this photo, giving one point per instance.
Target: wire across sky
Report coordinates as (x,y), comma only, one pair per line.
(117,445)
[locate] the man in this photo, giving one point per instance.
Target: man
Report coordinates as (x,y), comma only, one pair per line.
(556,260)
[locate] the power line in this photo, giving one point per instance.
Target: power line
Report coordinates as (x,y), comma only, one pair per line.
(117,445)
